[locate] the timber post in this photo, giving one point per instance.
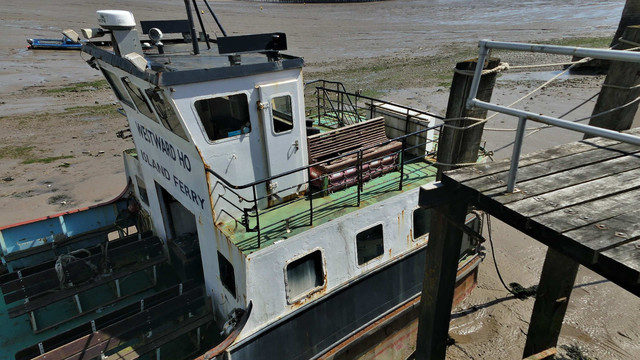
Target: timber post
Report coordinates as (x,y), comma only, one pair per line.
(556,282)
(441,267)
(457,146)
(630,16)
(621,86)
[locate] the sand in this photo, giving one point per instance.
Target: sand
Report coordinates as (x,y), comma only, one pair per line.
(70,135)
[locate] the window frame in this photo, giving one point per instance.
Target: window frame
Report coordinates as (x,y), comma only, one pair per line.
(230,138)
(234,293)
(424,236)
(293,122)
(152,116)
(170,105)
(111,78)
(379,257)
(312,290)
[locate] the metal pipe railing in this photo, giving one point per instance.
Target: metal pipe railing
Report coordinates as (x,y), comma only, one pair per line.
(486,45)
(360,181)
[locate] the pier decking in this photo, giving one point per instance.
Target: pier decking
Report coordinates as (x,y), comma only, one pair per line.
(582,200)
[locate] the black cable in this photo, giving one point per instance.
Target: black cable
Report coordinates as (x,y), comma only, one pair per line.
(514,288)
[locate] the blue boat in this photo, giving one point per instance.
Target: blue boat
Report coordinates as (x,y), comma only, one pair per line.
(65,43)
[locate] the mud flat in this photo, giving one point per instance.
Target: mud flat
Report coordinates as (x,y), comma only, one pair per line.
(58,149)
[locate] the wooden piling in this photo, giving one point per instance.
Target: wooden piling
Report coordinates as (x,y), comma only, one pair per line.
(461,146)
(621,86)
(556,282)
(630,16)
(441,267)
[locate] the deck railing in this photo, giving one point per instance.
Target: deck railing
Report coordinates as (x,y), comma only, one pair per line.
(523,116)
(413,150)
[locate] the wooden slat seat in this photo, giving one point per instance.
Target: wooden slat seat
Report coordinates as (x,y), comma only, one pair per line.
(336,142)
(103,321)
(159,319)
(325,147)
(43,288)
(5,278)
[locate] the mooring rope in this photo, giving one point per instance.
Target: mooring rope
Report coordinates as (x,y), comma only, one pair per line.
(503,66)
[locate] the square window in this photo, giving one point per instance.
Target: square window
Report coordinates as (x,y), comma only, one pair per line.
(304,275)
(227,276)
(421,222)
(224,116)
(369,244)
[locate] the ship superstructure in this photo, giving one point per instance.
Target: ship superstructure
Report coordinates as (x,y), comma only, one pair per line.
(286,227)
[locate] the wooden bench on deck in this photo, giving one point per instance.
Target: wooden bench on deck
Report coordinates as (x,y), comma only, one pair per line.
(42,287)
(183,307)
(340,172)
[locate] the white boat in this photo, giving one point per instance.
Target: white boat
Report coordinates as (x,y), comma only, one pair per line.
(297,235)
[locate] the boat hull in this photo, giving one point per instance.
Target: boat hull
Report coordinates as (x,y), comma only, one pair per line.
(352,320)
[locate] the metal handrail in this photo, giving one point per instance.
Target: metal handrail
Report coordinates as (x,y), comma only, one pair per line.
(523,116)
(403,107)
(231,187)
(257,182)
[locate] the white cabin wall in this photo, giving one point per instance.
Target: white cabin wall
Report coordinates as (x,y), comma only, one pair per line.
(239,159)
(337,239)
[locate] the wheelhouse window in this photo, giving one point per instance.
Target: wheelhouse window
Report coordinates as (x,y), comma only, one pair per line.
(118,88)
(369,244)
(138,98)
(421,222)
(227,276)
(165,112)
(224,116)
(282,114)
(304,276)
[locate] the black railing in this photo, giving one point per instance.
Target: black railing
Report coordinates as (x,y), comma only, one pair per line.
(334,104)
(335,107)
(413,149)
(404,156)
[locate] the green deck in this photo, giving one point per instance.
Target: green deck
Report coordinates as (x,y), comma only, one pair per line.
(325,208)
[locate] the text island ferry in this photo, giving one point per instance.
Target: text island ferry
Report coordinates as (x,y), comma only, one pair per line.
(249,229)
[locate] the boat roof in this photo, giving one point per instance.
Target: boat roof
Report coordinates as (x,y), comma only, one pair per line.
(178,65)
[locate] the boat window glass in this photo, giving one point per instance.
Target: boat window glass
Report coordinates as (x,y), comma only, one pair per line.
(165,112)
(304,275)
(142,189)
(117,87)
(138,98)
(224,116)
(282,114)
(421,222)
(369,244)
(227,275)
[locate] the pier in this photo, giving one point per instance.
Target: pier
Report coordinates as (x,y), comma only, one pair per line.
(579,199)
